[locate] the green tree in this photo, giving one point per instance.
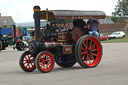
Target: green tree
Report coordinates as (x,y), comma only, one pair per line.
(114,19)
(121,10)
(11,26)
(5,26)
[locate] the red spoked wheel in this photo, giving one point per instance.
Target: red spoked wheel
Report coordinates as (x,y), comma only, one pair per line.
(88,51)
(27,62)
(44,61)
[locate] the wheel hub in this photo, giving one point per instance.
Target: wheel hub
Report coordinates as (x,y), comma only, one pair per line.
(89,51)
(28,61)
(46,62)
(77,34)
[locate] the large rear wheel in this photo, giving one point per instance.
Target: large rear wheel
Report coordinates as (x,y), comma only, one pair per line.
(27,62)
(76,47)
(88,51)
(44,61)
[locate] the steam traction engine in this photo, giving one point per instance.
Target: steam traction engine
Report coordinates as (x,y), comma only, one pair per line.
(6,41)
(63,47)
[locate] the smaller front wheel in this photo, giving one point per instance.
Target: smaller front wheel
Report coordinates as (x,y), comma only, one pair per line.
(44,61)
(27,62)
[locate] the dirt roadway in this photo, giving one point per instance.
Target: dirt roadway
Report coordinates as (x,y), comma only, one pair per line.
(112,70)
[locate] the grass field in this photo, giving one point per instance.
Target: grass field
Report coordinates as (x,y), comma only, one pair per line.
(116,40)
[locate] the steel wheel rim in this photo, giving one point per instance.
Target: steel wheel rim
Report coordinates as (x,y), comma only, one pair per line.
(91,51)
(46,62)
(27,62)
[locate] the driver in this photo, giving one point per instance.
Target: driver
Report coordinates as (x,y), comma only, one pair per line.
(79,23)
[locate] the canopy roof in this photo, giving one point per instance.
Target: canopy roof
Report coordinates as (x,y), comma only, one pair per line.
(71,14)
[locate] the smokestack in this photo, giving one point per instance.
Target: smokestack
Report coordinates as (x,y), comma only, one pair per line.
(37,21)
(0,15)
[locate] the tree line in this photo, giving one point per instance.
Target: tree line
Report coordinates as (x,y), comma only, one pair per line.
(121,12)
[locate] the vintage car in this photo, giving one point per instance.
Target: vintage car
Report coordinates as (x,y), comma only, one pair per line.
(103,37)
(117,34)
(65,47)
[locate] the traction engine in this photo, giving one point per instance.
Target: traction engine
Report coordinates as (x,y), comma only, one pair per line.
(64,47)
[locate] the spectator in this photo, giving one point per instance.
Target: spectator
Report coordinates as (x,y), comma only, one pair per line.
(93,25)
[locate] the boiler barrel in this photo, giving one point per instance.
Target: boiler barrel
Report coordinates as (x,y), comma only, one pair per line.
(52,44)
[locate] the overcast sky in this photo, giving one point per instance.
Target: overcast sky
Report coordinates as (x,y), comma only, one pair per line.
(22,10)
